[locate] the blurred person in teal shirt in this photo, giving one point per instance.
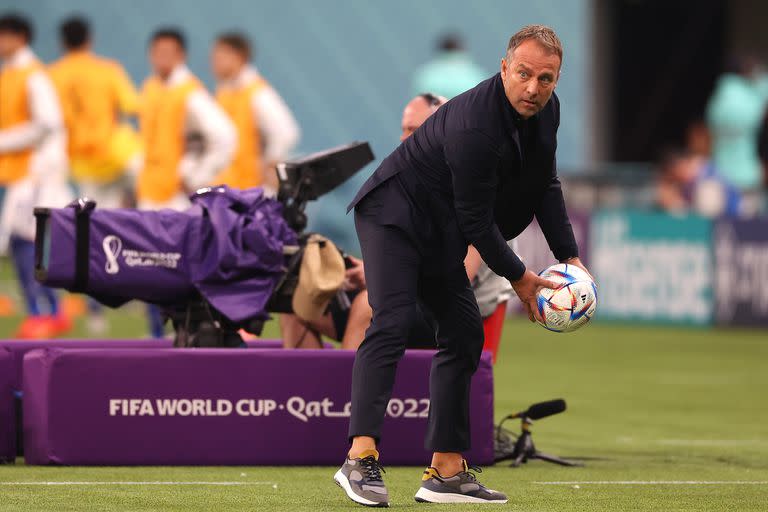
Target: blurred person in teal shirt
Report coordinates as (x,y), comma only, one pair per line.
(734,116)
(451,72)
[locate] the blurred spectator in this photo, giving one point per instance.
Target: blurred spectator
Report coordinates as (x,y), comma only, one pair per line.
(690,182)
(451,72)
(188,139)
(266,128)
(698,139)
(417,111)
(491,291)
(734,113)
(346,325)
(33,167)
(96,95)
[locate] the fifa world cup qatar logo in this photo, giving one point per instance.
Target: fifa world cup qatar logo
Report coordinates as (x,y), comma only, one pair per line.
(111,245)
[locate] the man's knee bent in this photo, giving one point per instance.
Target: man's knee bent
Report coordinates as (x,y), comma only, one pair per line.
(475,339)
(466,340)
(398,321)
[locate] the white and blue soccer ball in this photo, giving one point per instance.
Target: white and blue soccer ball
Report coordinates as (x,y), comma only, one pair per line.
(572,304)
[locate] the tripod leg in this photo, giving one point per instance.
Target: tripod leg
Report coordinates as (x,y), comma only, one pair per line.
(555,460)
(523,449)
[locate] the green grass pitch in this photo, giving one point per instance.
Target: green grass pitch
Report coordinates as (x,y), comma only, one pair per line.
(652,405)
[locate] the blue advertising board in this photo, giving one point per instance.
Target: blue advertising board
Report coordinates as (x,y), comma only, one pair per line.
(653,267)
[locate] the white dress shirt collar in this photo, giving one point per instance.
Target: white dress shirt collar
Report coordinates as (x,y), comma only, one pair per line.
(248,74)
(179,74)
(23,57)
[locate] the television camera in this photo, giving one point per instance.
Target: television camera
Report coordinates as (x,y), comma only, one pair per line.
(220,266)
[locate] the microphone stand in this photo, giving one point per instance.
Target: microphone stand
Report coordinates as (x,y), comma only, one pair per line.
(524,449)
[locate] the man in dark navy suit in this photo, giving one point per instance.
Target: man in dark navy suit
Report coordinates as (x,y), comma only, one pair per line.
(476,172)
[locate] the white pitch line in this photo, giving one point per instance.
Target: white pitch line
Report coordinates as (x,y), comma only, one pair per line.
(694,442)
(140,483)
(659,482)
(711,442)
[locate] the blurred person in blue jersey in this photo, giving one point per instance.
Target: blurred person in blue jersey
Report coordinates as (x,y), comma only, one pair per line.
(33,167)
(734,115)
(451,72)
(688,182)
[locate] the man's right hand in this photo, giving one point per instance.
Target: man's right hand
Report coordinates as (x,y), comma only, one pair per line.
(526,288)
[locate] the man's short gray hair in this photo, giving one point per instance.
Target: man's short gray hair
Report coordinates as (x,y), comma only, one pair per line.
(542,34)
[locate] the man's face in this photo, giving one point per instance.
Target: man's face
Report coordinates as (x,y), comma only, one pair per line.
(164,55)
(10,42)
(530,75)
(225,62)
(415,113)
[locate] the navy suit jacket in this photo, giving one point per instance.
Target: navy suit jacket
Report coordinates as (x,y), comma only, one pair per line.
(477,173)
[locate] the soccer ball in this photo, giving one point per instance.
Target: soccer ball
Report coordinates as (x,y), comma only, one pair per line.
(572,304)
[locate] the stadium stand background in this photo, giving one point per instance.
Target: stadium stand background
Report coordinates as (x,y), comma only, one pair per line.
(344,66)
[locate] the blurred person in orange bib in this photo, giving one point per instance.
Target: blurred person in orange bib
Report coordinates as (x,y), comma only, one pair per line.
(33,167)
(96,96)
(188,139)
(266,128)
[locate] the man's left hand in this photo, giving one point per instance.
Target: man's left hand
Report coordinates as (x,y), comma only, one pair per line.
(577,262)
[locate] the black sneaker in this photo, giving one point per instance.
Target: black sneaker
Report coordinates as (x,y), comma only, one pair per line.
(361,480)
(462,487)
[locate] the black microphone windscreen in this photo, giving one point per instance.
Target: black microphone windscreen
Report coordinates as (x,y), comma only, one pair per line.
(544,409)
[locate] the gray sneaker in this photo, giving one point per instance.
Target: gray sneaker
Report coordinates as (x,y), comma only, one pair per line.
(463,487)
(361,480)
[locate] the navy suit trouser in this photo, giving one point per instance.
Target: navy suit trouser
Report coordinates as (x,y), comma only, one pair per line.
(403,279)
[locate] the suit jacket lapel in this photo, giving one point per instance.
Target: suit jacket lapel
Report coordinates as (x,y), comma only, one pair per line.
(516,144)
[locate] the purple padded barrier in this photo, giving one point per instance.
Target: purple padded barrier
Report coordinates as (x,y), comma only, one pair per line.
(13,374)
(20,347)
(16,350)
(217,407)
(7,416)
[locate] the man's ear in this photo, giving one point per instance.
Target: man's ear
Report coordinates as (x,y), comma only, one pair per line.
(503,68)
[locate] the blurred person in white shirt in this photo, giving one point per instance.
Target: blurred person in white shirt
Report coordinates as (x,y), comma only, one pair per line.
(33,167)
(188,139)
(266,129)
(491,291)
